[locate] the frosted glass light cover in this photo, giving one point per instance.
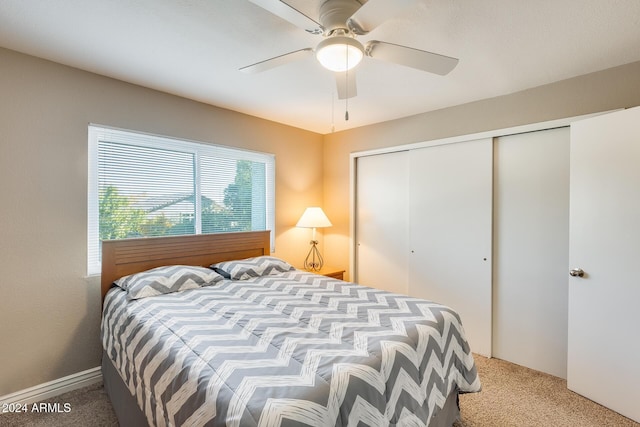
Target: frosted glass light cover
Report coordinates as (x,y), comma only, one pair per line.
(339,53)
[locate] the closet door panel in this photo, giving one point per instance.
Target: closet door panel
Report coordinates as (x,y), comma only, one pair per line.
(531,249)
(382,226)
(450,212)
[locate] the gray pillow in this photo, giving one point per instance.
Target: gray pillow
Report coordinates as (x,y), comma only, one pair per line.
(165,280)
(253,267)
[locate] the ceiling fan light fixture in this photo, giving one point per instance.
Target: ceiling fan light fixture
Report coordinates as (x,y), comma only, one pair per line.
(339,53)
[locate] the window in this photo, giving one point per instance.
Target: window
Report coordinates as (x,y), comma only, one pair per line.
(144,185)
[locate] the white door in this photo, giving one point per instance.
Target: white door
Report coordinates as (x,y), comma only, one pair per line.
(382,221)
(604,304)
(450,240)
(531,249)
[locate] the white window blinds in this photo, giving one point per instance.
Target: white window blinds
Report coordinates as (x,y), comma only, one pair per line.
(144,185)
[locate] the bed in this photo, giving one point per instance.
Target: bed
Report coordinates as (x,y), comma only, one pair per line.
(277,347)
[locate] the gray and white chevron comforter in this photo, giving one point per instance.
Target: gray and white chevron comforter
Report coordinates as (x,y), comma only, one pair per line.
(291,349)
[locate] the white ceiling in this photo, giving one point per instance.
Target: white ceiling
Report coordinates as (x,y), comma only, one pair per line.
(194,48)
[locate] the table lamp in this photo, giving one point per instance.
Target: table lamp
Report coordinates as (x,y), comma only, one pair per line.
(313,218)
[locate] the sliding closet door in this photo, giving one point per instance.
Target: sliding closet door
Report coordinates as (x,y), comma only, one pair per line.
(382,226)
(450,239)
(531,249)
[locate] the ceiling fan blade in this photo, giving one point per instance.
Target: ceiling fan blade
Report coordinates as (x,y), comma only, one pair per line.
(410,57)
(346,83)
(374,13)
(290,14)
(277,61)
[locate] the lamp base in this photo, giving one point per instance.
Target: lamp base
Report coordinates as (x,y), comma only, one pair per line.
(313,261)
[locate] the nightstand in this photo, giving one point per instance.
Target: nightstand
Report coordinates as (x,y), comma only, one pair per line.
(333,272)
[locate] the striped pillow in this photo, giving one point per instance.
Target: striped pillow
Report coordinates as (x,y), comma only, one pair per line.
(253,267)
(165,280)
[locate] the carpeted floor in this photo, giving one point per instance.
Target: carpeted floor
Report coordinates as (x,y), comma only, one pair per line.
(512,396)
(89,406)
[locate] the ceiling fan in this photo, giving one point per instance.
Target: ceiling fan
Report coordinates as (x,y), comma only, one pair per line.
(341,21)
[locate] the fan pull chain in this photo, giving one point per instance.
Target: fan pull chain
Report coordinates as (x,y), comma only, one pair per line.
(333,105)
(346,76)
(346,110)
(346,101)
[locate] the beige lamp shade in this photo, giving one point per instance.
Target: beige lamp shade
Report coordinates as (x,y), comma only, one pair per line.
(313,217)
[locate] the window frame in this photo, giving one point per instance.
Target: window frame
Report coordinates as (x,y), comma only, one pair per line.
(97,133)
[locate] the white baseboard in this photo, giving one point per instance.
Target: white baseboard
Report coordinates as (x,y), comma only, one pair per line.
(54,388)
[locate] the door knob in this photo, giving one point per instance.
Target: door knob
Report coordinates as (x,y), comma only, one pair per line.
(576,272)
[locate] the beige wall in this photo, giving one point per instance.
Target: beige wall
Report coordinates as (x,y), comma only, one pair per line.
(606,90)
(49,311)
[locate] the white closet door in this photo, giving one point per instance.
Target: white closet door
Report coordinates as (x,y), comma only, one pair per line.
(604,318)
(450,239)
(531,249)
(382,226)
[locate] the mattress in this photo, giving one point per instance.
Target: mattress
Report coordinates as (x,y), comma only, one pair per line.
(293,348)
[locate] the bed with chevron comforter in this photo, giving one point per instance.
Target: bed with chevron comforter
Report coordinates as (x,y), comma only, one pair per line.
(289,349)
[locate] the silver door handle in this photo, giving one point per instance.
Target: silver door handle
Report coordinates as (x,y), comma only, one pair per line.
(576,272)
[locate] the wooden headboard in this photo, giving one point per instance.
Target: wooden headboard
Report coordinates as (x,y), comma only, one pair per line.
(128,256)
